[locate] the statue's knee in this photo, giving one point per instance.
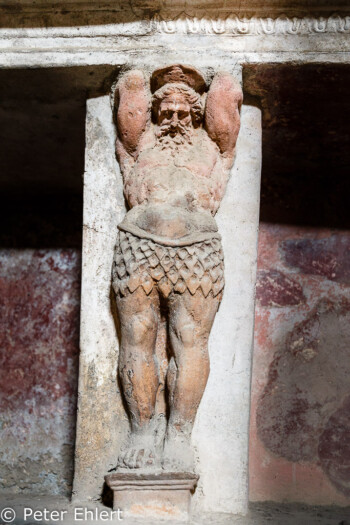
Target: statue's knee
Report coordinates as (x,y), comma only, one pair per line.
(186,334)
(140,328)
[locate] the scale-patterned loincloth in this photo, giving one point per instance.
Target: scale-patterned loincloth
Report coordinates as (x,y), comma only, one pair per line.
(143,262)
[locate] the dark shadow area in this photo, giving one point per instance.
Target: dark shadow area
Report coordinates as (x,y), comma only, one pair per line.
(107,496)
(41,220)
(42,145)
(306,143)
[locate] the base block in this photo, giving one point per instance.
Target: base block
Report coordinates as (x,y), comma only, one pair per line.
(164,495)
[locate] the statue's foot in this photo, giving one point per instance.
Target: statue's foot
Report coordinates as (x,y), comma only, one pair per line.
(139,454)
(178,455)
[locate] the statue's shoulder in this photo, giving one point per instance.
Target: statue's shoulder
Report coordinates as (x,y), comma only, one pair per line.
(148,139)
(204,144)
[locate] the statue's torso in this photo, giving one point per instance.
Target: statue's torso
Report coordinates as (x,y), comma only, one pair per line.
(175,189)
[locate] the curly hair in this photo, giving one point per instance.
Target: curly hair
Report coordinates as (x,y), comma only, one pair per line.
(193,98)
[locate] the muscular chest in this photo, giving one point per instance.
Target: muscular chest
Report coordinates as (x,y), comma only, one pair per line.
(197,159)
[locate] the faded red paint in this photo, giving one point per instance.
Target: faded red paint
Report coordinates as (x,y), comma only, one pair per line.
(274,288)
(334,447)
(39,330)
(329,257)
(39,325)
(298,449)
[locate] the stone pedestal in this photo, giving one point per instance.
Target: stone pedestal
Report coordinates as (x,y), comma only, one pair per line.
(165,495)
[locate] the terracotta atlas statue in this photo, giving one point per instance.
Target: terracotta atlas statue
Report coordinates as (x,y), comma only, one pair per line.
(175,146)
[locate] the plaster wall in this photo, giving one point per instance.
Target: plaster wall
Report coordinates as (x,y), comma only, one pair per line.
(299,434)
(39,327)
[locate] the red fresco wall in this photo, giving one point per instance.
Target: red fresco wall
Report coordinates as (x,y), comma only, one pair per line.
(300,414)
(39,344)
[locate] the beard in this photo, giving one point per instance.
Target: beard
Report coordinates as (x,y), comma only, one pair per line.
(182,136)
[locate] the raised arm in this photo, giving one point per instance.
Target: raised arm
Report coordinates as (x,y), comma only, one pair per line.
(222,119)
(132,106)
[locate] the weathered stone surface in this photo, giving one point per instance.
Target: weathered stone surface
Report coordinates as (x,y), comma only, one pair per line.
(165,496)
(39,327)
(101,421)
(83,35)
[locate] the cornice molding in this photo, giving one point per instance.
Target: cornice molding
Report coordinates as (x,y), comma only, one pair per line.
(234,25)
(237,25)
(146,17)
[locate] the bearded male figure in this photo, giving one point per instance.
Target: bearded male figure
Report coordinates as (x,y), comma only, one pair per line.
(175,145)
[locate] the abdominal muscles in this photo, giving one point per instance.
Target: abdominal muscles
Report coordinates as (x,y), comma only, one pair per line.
(172,202)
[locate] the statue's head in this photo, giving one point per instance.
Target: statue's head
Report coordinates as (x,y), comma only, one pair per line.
(177,109)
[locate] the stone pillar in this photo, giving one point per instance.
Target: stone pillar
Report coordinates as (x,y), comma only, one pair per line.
(102,422)
(220,437)
(221,431)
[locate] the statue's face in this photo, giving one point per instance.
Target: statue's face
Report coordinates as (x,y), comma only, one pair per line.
(174,116)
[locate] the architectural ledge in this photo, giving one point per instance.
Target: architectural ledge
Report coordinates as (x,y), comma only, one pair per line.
(27,14)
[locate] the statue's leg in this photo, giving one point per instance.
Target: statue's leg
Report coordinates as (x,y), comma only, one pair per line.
(190,320)
(138,371)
